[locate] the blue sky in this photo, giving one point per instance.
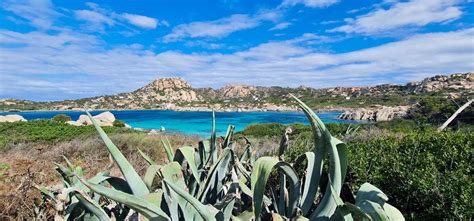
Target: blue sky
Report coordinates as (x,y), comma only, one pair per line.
(54,50)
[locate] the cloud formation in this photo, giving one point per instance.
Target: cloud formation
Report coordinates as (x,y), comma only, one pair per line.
(221,27)
(414,13)
(280,26)
(309,3)
(40,13)
(286,63)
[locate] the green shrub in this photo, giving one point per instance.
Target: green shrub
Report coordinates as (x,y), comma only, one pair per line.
(45,131)
(118,123)
(427,174)
(62,118)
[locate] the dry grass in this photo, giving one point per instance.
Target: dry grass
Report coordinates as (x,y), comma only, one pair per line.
(30,164)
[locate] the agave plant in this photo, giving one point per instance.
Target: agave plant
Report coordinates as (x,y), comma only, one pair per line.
(211,182)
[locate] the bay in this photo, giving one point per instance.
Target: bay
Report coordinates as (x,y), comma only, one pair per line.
(192,122)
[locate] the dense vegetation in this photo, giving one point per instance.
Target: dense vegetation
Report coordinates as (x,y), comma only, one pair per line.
(61,118)
(45,131)
(427,174)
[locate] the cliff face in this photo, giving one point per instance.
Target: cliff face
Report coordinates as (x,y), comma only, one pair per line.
(177,94)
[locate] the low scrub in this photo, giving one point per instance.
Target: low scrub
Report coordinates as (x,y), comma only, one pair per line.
(61,118)
(46,131)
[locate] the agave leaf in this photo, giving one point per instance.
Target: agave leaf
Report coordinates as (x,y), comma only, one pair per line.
(213,183)
(213,148)
(173,174)
(244,216)
(311,182)
(324,140)
(342,152)
(90,204)
(136,183)
(205,212)
(259,178)
(155,197)
(393,213)
(369,192)
(141,205)
(374,210)
(247,154)
(301,218)
(281,197)
(228,136)
(187,153)
(150,175)
(327,206)
(146,157)
(277,217)
(168,149)
(205,152)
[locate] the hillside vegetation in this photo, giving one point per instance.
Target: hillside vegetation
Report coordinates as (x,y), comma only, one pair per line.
(177,94)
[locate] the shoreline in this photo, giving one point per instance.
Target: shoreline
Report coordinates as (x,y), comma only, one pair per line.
(199,109)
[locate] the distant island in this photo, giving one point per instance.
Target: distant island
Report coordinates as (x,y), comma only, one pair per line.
(177,94)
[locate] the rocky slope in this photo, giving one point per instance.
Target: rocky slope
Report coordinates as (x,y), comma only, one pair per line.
(177,94)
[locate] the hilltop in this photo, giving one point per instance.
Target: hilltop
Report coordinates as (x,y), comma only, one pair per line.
(177,94)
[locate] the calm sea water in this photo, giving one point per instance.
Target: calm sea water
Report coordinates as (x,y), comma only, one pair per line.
(198,123)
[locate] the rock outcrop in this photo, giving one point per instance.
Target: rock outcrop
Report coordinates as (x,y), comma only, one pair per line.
(12,118)
(167,89)
(236,91)
(454,82)
(375,114)
(103,119)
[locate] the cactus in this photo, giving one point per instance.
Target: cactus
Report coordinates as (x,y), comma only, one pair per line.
(211,182)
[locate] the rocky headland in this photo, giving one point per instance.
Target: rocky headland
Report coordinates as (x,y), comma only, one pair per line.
(373,103)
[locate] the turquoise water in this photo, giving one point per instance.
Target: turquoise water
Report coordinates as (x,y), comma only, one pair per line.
(198,123)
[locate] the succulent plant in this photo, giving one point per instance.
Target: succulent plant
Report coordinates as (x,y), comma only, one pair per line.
(211,182)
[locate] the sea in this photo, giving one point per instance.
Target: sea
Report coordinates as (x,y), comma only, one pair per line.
(193,122)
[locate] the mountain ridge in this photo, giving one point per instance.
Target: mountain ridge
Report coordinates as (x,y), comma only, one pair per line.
(177,94)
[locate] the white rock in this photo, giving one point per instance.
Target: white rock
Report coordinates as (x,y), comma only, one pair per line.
(12,118)
(103,119)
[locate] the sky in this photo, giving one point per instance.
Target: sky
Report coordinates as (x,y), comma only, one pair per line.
(56,50)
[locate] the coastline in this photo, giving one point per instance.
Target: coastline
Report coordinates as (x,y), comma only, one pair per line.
(198,109)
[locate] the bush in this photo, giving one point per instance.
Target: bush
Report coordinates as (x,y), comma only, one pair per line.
(45,131)
(426,174)
(118,123)
(61,118)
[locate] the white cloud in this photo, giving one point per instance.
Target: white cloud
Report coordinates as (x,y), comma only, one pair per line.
(99,18)
(95,20)
(40,13)
(280,26)
(143,21)
(415,13)
(310,3)
(82,67)
(220,27)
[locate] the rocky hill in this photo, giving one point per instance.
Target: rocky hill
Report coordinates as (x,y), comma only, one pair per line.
(177,94)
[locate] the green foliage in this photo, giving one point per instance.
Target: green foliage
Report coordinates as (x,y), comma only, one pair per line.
(426,173)
(436,110)
(61,118)
(118,123)
(45,131)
